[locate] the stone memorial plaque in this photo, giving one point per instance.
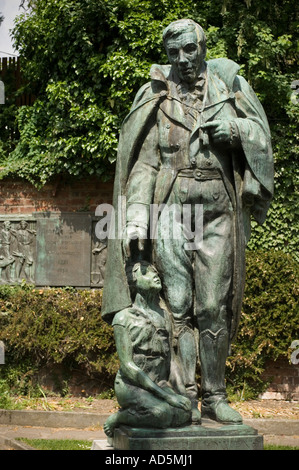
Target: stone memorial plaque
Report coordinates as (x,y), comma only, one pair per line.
(64,250)
(2,353)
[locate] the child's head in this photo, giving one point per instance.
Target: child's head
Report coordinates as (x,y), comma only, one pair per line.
(142,276)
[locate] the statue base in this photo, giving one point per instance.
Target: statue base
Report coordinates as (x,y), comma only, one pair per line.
(208,436)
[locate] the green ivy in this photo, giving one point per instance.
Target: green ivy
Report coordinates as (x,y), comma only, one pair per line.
(281,228)
(269,321)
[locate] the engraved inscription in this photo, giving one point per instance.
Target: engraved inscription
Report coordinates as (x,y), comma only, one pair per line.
(63,251)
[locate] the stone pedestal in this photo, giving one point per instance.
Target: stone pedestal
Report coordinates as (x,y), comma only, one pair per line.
(208,436)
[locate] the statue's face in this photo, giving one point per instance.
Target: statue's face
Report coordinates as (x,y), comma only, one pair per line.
(186,55)
(23,224)
(147,278)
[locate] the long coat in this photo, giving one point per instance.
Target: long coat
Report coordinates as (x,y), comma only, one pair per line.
(230,97)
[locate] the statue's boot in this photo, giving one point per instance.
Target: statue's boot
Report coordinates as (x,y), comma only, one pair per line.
(213,353)
(186,349)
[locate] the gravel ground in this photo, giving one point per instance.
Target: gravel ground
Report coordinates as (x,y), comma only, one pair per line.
(248,409)
(268,409)
(75,404)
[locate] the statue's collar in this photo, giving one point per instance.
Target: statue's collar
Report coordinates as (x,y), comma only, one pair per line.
(160,73)
(224,70)
(165,73)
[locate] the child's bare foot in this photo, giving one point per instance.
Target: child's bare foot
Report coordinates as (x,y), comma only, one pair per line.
(110,424)
(196,415)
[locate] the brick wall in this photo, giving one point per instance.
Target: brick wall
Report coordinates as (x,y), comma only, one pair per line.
(19,197)
(284,380)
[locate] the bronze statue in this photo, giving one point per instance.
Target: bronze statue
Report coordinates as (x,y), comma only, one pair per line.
(196,135)
(146,385)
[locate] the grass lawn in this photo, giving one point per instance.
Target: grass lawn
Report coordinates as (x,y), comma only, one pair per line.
(57,444)
(273,447)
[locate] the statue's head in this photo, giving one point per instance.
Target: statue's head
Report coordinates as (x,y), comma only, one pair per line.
(23,224)
(185,44)
(142,276)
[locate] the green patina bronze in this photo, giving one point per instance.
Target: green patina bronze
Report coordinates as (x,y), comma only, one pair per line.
(196,135)
(148,385)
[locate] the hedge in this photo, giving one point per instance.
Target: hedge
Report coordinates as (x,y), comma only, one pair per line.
(63,326)
(269,321)
(44,327)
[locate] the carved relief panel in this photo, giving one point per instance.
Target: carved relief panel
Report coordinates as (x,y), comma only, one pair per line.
(17,251)
(49,249)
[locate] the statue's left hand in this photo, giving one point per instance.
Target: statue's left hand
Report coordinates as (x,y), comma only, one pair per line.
(220,130)
(134,232)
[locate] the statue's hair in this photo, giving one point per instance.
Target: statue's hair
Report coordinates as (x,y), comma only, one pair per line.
(131,269)
(183,26)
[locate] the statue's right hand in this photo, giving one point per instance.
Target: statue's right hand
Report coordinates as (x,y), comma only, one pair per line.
(179,402)
(134,232)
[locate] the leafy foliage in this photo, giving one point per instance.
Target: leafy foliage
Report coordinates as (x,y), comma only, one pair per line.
(54,326)
(269,321)
(85,60)
(280,231)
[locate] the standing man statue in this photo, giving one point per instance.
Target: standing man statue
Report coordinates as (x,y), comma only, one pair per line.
(7,238)
(24,254)
(196,135)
